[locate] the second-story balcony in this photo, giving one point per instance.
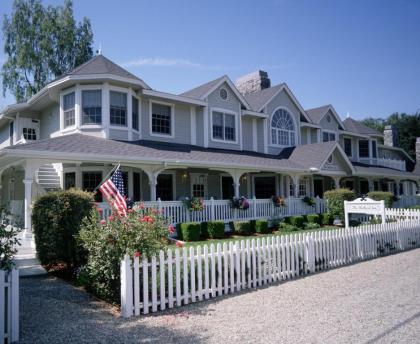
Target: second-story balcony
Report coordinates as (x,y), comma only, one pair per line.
(390,163)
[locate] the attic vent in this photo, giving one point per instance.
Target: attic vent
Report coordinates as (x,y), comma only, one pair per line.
(223,93)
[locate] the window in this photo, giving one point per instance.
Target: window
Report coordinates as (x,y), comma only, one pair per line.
(303,187)
(92,107)
(135,113)
(282,129)
(327,136)
(161,119)
(374,154)
(68,109)
(118,108)
(69,180)
(347,147)
(198,185)
(164,187)
(363,148)
(223,126)
(29,134)
(223,93)
(265,187)
(90,180)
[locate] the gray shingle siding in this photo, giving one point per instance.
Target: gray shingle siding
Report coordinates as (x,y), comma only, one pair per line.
(247,137)
(4,136)
(333,125)
(49,121)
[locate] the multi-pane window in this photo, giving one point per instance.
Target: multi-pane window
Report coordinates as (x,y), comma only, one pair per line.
(303,187)
(223,126)
(364,148)
(135,113)
(282,129)
(118,108)
(68,109)
(161,119)
(347,147)
(327,136)
(92,107)
(374,154)
(198,185)
(29,134)
(90,180)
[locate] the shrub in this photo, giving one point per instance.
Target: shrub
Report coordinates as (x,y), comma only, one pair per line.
(215,229)
(286,219)
(259,226)
(354,223)
(142,233)
(313,218)
(286,227)
(335,201)
(326,219)
(311,225)
(56,219)
(241,227)
(388,197)
(188,231)
(9,240)
(297,221)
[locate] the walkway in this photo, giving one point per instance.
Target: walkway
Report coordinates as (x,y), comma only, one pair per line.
(377,301)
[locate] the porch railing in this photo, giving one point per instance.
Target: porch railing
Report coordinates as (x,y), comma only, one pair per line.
(222,210)
(391,163)
(406,201)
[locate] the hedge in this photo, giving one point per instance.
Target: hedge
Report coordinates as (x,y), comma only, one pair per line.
(56,218)
(388,197)
(241,227)
(259,226)
(335,201)
(188,231)
(326,219)
(213,229)
(297,221)
(313,218)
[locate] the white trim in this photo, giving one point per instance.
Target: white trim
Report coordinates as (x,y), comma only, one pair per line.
(344,156)
(192,176)
(266,123)
(311,125)
(228,112)
(254,114)
(206,126)
(193,126)
(296,128)
(172,106)
(173,97)
(240,132)
(254,135)
(398,149)
(127,93)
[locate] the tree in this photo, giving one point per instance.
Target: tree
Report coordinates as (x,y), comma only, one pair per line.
(42,43)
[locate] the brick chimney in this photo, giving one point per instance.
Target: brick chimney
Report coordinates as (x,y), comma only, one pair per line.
(390,136)
(253,82)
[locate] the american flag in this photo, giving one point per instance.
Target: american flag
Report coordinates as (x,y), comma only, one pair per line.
(113,191)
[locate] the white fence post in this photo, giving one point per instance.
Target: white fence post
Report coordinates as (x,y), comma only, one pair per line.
(9,307)
(212,208)
(126,287)
(254,205)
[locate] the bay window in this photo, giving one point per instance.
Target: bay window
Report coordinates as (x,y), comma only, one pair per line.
(92,107)
(135,113)
(68,109)
(118,108)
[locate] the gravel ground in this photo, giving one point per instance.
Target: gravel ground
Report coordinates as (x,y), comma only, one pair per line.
(377,301)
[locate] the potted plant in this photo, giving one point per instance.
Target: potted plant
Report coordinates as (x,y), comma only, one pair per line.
(239,203)
(194,204)
(278,201)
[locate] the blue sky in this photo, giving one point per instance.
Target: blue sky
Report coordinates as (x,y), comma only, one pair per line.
(361,56)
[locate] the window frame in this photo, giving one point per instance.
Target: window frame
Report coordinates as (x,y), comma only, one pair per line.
(351,146)
(138,113)
(126,109)
(224,112)
(73,109)
(368,147)
(295,130)
(172,119)
(95,124)
(205,184)
(329,132)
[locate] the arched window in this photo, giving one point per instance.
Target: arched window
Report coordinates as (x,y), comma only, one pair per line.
(282,129)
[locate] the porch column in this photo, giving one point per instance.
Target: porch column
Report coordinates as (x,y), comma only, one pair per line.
(336,182)
(28,210)
(78,176)
(152,173)
(295,180)
(153,184)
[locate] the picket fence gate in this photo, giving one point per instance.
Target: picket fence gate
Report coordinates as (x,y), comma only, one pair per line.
(9,306)
(177,277)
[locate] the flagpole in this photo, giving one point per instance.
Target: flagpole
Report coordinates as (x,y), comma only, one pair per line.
(107,176)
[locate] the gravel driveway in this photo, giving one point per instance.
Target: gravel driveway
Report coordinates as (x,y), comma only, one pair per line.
(372,302)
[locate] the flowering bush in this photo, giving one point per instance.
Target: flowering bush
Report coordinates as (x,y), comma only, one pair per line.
(8,241)
(239,203)
(142,233)
(278,201)
(194,204)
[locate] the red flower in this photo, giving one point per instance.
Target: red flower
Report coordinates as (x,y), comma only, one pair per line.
(146,218)
(103,222)
(99,210)
(141,206)
(179,244)
(137,254)
(110,218)
(171,229)
(154,211)
(130,210)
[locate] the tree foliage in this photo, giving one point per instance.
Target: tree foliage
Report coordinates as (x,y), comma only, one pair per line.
(42,43)
(407,126)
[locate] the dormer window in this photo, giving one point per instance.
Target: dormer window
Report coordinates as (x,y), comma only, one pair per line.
(92,107)
(68,109)
(118,108)
(29,134)
(161,121)
(328,136)
(224,126)
(282,129)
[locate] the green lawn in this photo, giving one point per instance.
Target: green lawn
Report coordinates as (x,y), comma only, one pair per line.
(233,238)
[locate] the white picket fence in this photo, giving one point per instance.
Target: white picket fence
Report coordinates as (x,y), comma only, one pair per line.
(9,306)
(222,210)
(177,277)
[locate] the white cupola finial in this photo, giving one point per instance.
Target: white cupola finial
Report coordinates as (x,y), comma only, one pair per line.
(99,51)
(348,114)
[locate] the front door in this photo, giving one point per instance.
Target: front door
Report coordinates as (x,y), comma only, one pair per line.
(164,187)
(319,188)
(227,187)
(265,187)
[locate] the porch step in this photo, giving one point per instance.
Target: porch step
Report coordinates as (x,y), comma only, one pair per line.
(48,177)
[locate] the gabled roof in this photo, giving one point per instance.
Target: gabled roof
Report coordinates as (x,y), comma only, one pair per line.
(354,126)
(202,91)
(259,100)
(100,65)
(314,155)
(317,114)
